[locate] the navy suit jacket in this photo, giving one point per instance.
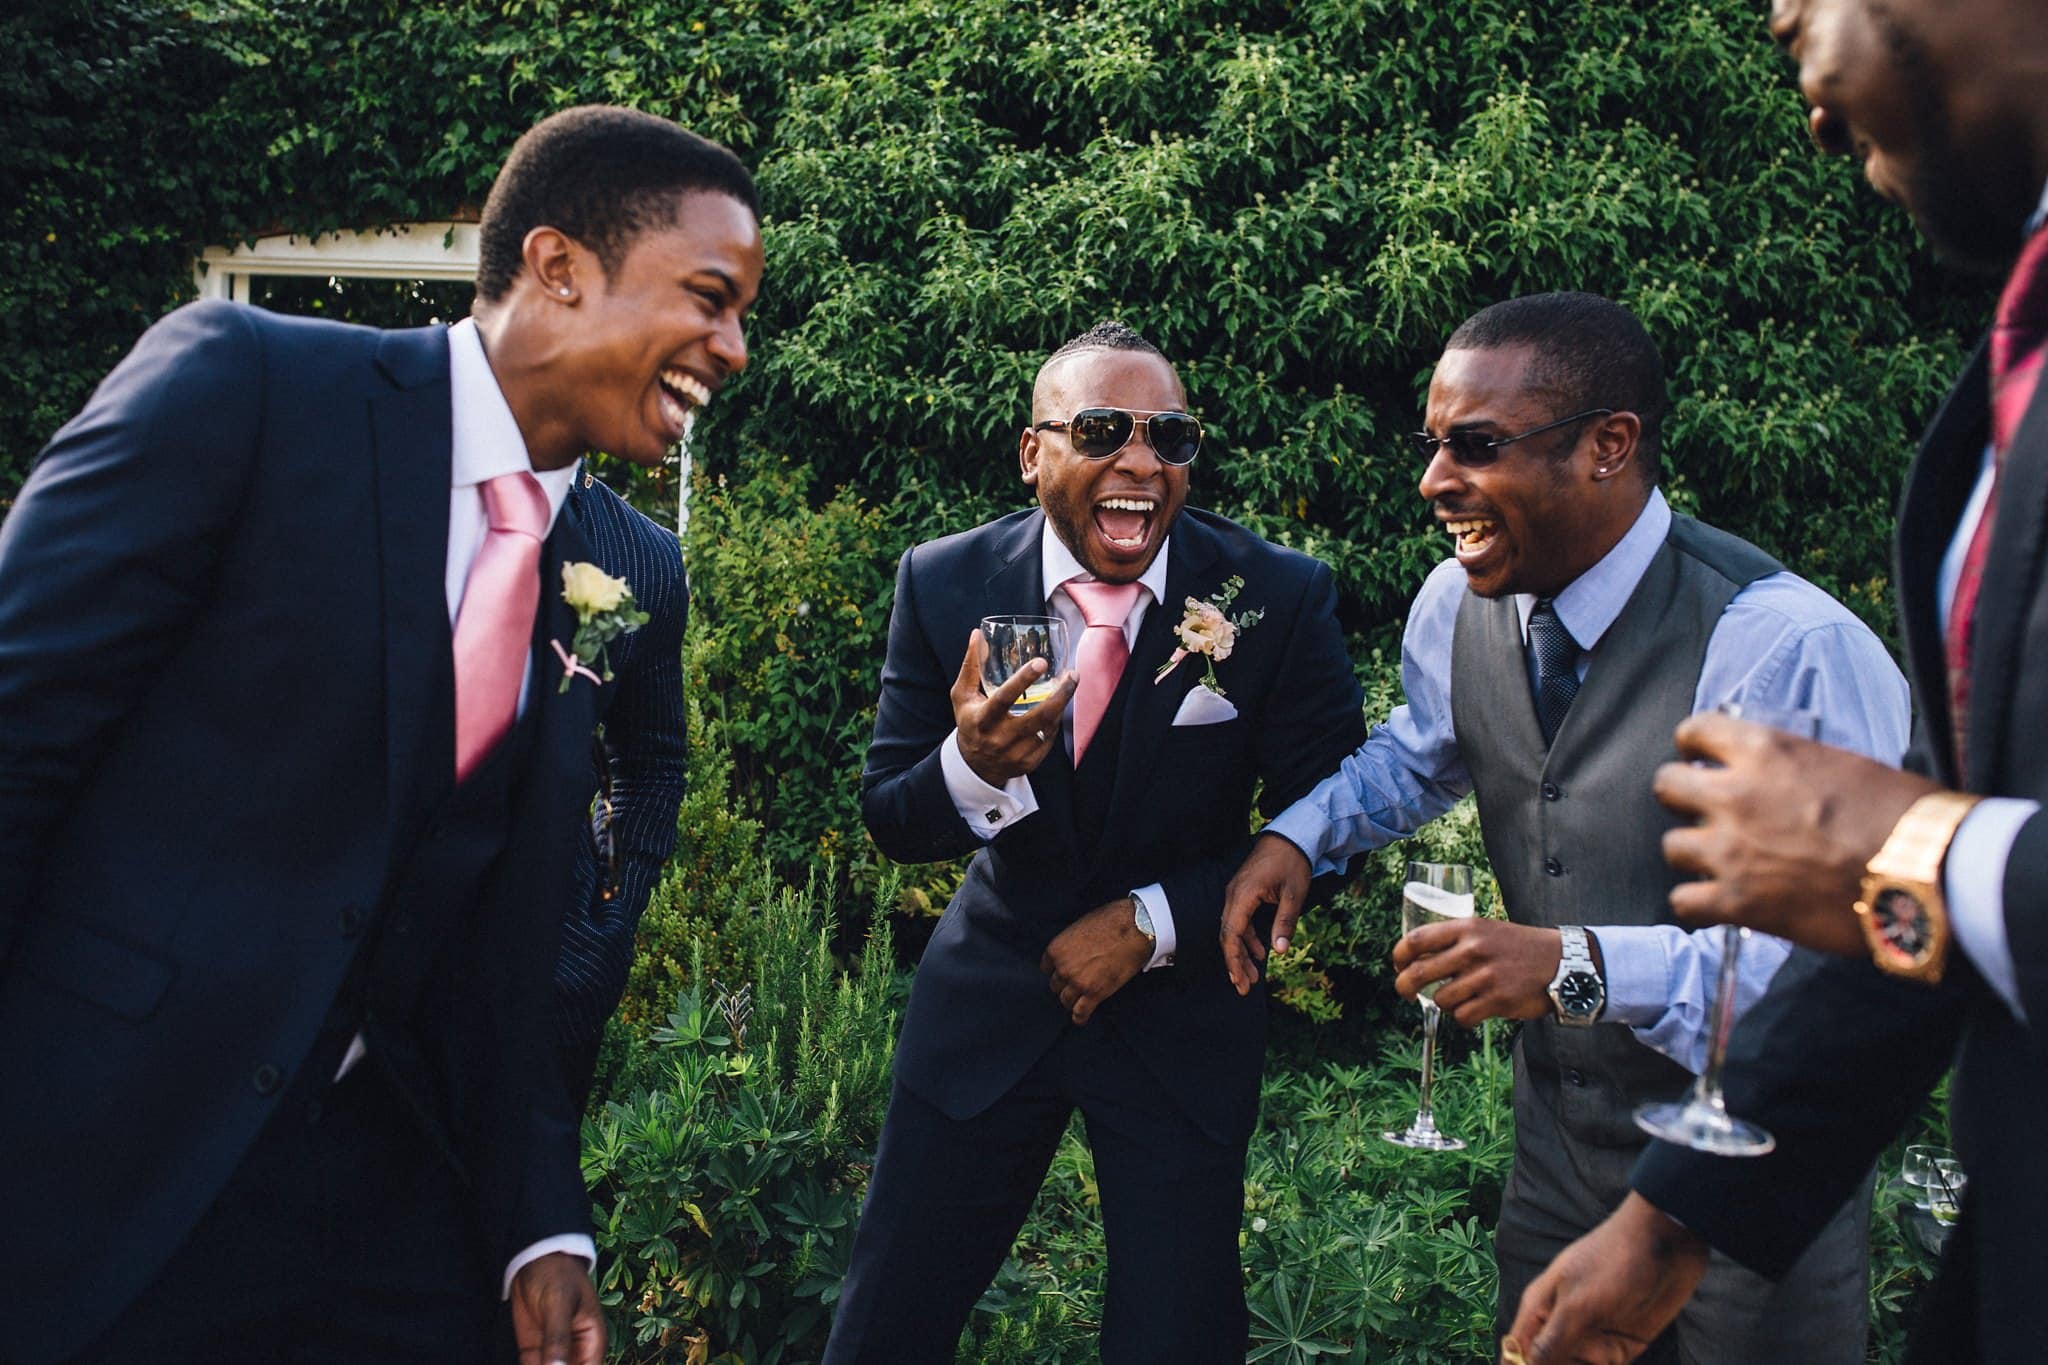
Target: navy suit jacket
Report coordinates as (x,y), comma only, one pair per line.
(226,721)
(646,749)
(1836,1058)
(1178,814)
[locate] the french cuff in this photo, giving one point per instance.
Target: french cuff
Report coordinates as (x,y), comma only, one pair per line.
(1635,962)
(987,810)
(573,1243)
(1304,826)
(1973,882)
(1164,941)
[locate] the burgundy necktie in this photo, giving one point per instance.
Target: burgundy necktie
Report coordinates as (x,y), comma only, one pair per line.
(494,625)
(1102,653)
(2016,354)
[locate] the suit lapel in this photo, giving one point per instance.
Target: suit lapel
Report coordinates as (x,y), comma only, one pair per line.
(565,719)
(1149,707)
(2012,568)
(411,431)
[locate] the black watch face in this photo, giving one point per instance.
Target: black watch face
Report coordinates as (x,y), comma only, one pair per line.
(1901,922)
(1579,995)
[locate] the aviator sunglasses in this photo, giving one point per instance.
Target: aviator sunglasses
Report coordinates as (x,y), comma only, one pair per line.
(1098,433)
(1473,451)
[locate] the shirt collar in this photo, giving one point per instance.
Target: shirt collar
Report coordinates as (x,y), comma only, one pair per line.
(1057,563)
(1592,601)
(486,440)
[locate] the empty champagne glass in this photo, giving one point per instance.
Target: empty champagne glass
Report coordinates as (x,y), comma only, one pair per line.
(1014,641)
(1435,892)
(1702,1121)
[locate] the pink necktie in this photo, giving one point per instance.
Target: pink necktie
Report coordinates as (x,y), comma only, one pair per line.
(1102,654)
(2016,361)
(494,625)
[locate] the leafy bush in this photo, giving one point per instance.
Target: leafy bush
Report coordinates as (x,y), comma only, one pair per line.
(723,1176)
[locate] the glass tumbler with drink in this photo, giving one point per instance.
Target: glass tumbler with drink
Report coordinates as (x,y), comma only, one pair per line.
(1435,892)
(1014,641)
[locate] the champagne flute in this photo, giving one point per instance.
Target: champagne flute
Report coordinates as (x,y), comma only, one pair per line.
(1435,892)
(1014,641)
(1702,1121)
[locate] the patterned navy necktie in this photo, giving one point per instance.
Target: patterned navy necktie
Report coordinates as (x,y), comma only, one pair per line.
(1557,673)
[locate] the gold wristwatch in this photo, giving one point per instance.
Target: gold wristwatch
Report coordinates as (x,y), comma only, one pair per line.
(1904,914)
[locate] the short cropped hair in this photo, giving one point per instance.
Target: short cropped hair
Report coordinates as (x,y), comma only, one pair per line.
(603,175)
(1108,335)
(1590,353)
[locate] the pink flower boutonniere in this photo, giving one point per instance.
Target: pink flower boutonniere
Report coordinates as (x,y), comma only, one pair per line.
(1208,629)
(605,610)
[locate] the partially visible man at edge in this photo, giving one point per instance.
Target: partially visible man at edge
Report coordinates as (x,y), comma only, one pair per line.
(1544,666)
(641,763)
(287,789)
(1939,871)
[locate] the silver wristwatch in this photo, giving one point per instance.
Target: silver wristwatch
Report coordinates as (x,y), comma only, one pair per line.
(1577,993)
(1143,917)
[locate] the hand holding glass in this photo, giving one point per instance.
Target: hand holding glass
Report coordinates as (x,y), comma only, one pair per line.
(1702,1121)
(1435,892)
(1014,641)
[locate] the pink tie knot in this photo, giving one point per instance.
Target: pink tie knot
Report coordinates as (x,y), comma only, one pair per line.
(516,502)
(1103,604)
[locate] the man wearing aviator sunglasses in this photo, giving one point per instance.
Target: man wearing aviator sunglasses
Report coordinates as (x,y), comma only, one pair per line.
(1545,666)
(1079,965)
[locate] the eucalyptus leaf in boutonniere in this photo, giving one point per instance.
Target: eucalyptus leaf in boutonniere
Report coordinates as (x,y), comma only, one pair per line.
(605,610)
(1208,629)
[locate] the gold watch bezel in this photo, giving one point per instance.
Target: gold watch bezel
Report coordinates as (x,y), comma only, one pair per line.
(1909,864)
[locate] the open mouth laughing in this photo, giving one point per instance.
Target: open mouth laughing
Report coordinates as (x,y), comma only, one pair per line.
(1471,536)
(681,394)
(1124,521)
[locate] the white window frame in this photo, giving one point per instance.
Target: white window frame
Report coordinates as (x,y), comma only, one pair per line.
(403,251)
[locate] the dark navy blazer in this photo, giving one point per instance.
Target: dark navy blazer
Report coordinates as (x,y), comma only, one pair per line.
(225,724)
(646,748)
(1178,813)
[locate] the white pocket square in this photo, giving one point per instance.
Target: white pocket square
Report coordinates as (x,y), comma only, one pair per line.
(1203,707)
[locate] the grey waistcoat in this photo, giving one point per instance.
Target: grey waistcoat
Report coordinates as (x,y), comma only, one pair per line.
(1573,832)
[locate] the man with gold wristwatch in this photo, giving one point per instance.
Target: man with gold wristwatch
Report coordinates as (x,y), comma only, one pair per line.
(1929,887)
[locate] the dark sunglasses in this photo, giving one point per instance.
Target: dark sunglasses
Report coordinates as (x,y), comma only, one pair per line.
(1473,451)
(1098,433)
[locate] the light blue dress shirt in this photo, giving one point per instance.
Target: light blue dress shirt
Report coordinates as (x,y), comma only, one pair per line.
(1782,643)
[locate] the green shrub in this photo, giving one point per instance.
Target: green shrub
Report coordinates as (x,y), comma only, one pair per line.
(724,1180)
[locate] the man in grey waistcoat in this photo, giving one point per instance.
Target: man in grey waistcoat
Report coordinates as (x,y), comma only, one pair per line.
(1545,665)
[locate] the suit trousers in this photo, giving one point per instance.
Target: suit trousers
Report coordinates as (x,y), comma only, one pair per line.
(1560,1188)
(948,1196)
(343,1237)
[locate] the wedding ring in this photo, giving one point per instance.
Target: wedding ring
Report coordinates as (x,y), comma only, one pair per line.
(1040,734)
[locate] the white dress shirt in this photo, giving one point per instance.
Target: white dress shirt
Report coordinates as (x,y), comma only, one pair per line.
(988,809)
(485,444)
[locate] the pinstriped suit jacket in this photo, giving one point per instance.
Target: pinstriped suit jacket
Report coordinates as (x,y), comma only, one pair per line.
(644,745)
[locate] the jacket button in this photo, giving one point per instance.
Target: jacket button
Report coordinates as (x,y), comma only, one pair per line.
(1575,1076)
(351,921)
(1550,791)
(1553,867)
(267,1078)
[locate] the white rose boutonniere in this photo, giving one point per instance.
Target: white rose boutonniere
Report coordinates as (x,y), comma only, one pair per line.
(605,610)
(1208,629)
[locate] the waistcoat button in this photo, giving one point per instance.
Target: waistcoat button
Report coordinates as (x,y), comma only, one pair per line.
(1550,791)
(1553,867)
(267,1078)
